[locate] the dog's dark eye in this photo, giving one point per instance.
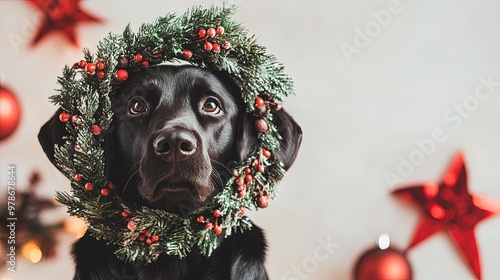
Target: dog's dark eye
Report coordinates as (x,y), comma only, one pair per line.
(211,106)
(138,106)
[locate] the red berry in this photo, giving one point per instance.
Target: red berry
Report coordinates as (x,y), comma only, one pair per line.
(138,57)
(217,213)
(187,54)
(239,181)
(145,63)
(247,170)
(242,209)
(217,229)
(144,230)
(100,75)
(200,219)
(159,55)
(77,148)
(261,125)
(256,163)
(89,187)
(104,192)
(211,32)
(241,187)
(78,177)
(235,173)
(248,178)
(125,214)
(148,234)
(131,225)
(242,194)
(208,46)
(96,130)
(262,202)
(90,68)
(141,237)
(64,117)
(216,47)
(220,30)
(259,102)
(277,106)
(100,65)
(75,119)
(148,241)
(260,168)
(110,185)
(121,75)
(209,225)
(202,33)
(266,153)
(155,238)
(226,45)
(82,63)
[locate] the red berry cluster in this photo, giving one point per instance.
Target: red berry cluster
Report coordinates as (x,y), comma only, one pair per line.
(144,235)
(105,191)
(92,67)
(76,121)
(263,104)
(242,181)
(210,38)
(211,223)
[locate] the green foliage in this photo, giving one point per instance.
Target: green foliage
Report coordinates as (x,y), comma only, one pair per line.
(143,234)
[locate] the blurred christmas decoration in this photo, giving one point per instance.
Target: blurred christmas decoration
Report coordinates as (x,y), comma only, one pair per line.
(383,262)
(449,207)
(62,16)
(34,239)
(10,112)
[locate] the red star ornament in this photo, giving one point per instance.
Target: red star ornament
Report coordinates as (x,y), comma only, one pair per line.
(62,16)
(450,207)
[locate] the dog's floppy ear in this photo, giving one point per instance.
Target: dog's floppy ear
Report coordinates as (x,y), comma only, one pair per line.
(52,133)
(289,130)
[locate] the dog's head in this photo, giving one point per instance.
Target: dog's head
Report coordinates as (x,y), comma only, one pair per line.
(176,132)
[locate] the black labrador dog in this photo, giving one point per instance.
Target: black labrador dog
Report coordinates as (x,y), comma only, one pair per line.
(176,132)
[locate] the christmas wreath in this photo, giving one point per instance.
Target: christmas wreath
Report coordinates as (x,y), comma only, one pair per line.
(206,38)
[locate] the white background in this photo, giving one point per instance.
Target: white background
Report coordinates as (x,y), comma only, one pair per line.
(360,114)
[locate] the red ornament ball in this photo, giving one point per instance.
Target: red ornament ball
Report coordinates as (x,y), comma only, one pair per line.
(211,32)
(96,130)
(263,201)
(202,33)
(64,117)
(121,75)
(187,54)
(10,113)
(138,57)
(259,102)
(386,264)
(217,229)
(220,30)
(100,75)
(208,46)
(261,125)
(82,63)
(90,68)
(104,192)
(216,47)
(89,187)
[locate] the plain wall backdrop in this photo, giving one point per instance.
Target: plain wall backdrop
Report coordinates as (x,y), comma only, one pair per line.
(373,79)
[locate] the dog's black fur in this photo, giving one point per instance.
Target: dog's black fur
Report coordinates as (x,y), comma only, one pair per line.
(175,134)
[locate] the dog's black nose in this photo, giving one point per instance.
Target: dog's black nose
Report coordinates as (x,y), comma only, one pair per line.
(175,145)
